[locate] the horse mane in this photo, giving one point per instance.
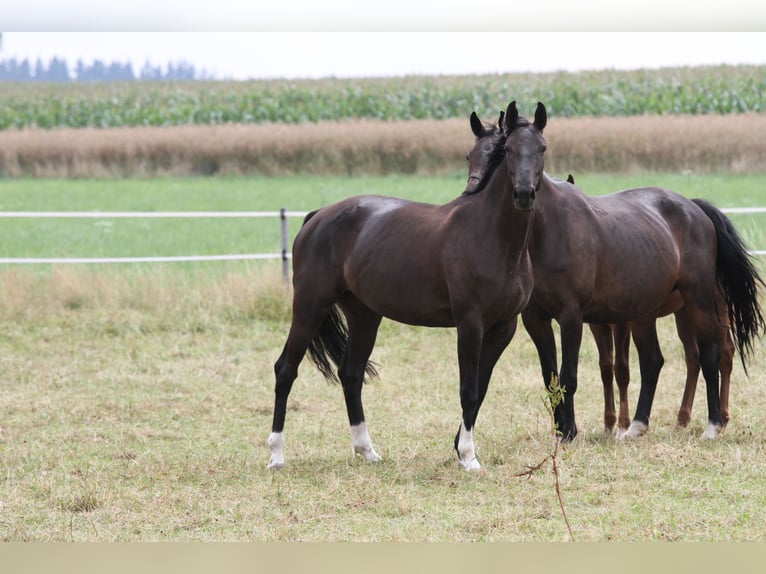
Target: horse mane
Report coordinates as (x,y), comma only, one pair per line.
(495,154)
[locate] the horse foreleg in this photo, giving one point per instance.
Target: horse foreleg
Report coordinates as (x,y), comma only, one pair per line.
(571,339)
(650,362)
(538,326)
(602,334)
(494,343)
(469,344)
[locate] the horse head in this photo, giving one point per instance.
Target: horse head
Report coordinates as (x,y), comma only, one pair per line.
(520,143)
(478,156)
(524,150)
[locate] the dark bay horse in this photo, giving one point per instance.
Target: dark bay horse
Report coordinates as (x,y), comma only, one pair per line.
(463,264)
(623,259)
(613,341)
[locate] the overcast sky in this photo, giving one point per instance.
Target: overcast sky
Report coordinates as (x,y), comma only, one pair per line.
(243,55)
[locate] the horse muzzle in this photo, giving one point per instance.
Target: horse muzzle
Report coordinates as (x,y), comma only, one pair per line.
(523,198)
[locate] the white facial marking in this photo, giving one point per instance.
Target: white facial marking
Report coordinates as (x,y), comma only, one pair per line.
(635,430)
(361,443)
(277,445)
(466,450)
(711,431)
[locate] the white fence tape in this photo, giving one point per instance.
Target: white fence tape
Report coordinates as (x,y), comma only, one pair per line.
(283,214)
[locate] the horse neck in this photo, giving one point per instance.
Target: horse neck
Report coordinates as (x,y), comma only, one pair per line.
(510,226)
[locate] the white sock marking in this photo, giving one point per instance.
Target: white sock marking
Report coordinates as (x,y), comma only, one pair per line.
(466,450)
(361,443)
(277,445)
(635,430)
(711,431)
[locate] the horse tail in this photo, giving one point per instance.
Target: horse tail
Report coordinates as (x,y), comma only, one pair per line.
(739,281)
(329,346)
(309,215)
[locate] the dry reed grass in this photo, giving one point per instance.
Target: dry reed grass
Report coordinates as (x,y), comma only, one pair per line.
(365,147)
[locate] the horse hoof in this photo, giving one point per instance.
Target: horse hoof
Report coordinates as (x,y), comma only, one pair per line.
(275,465)
(369,454)
(621,432)
(711,431)
(471,465)
(635,430)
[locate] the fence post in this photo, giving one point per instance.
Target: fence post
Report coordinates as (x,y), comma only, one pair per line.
(285,246)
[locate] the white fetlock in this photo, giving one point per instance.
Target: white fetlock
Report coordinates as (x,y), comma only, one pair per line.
(621,433)
(277,446)
(712,431)
(361,443)
(635,430)
(466,452)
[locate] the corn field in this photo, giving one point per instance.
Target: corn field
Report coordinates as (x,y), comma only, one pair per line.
(695,90)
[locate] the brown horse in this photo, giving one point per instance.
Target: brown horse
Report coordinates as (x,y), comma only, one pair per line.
(613,341)
(624,259)
(463,264)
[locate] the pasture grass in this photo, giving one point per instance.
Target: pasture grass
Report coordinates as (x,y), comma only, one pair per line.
(154,237)
(136,403)
(142,413)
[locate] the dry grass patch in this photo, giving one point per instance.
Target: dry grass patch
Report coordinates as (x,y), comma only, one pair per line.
(366,147)
(142,415)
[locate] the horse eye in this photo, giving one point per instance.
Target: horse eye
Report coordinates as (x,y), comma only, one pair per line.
(543,149)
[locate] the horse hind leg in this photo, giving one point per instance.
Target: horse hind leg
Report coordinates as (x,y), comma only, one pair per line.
(725,368)
(650,363)
(602,335)
(622,374)
(363,326)
(691,356)
(286,371)
(306,322)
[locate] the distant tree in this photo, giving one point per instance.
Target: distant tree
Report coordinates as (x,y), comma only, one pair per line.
(58,71)
(39,70)
(149,72)
(22,71)
(80,71)
(14,71)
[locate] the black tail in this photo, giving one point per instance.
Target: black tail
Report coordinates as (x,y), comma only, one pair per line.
(739,281)
(329,345)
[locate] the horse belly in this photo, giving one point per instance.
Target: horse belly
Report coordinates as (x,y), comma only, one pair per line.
(629,298)
(402,292)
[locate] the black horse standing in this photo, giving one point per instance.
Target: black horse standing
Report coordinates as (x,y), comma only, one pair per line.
(624,259)
(463,264)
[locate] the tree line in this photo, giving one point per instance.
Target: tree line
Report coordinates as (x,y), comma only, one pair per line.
(58,70)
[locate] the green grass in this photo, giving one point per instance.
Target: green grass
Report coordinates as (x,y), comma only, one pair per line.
(145,237)
(149,423)
(136,407)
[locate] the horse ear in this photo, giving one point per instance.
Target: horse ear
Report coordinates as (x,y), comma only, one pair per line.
(501,119)
(570,179)
(476,126)
(541,116)
(511,116)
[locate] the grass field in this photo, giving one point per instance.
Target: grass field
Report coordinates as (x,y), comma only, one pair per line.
(136,403)
(147,237)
